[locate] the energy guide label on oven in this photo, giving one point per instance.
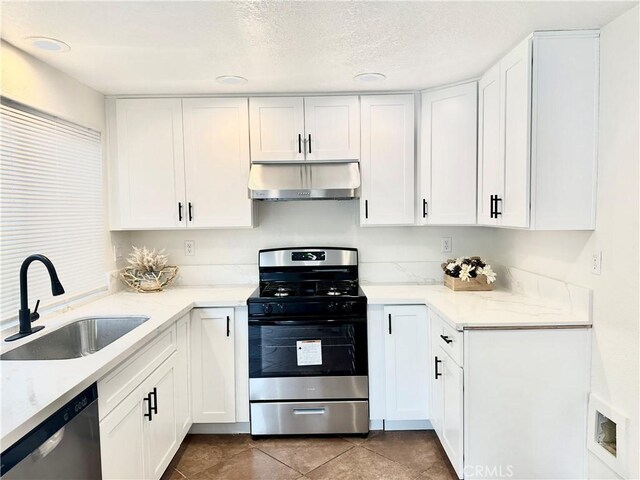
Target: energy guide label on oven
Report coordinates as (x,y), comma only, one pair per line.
(309,352)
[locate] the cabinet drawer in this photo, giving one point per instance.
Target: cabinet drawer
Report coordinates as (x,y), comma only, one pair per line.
(119,383)
(447,337)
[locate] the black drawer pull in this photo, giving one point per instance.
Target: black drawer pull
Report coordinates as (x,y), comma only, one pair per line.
(155,400)
(366,209)
(446,339)
(435,367)
(389,324)
(149,413)
(228,326)
(424,208)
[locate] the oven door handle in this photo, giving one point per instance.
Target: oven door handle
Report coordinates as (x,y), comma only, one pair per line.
(309,411)
(323,322)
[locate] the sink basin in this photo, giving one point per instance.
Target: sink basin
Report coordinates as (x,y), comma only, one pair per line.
(77,339)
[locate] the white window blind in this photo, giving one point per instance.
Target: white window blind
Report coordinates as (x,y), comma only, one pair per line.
(51,202)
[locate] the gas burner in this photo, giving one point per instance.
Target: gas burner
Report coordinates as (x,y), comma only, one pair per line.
(281,292)
(333,291)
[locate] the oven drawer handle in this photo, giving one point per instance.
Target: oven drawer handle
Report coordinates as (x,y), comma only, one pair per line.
(309,411)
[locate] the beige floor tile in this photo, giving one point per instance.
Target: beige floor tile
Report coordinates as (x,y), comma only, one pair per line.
(440,471)
(172,474)
(417,450)
(251,464)
(200,452)
(303,454)
(362,464)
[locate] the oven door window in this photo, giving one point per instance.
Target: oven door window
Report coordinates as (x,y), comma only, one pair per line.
(334,348)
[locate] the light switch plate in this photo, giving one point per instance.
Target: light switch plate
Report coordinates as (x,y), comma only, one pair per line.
(445,245)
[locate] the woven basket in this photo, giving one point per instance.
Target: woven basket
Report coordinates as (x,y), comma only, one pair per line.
(148,281)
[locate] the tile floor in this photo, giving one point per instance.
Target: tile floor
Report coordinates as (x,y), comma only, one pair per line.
(383,455)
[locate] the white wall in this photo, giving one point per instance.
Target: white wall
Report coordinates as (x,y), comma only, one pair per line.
(394,254)
(27,80)
(615,366)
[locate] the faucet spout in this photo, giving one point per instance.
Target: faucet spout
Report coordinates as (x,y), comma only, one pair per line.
(25,316)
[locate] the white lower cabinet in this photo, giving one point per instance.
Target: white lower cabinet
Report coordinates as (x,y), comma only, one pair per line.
(213,374)
(184,418)
(140,434)
(398,344)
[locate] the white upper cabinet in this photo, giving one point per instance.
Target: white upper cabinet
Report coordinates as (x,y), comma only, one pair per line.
(448,156)
(295,129)
(332,128)
(216,146)
(538,170)
(179,163)
(277,129)
(515,101)
(489,160)
(148,169)
(388,160)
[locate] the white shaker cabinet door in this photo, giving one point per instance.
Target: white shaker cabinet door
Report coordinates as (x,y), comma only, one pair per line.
(515,128)
(451,427)
(148,172)
(160,436)
(277,129)
(216,136)
(388,160)
(121,440)
(490,163)
(332,128)
(183,383)
(406,362)
(213,365)
(449,156)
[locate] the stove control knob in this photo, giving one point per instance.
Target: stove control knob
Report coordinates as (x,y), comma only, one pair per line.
(267,308)
(332,307)
(281,306)
(347,307)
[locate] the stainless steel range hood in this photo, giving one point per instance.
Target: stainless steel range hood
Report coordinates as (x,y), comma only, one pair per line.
(306,181)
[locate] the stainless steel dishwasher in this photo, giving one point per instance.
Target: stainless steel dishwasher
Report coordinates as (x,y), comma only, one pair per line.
(66,446)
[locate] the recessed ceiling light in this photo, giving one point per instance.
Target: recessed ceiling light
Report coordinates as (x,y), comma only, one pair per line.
(48,44)
(370,77)
(231,80)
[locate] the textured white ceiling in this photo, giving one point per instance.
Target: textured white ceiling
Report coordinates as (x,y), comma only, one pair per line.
(181,47)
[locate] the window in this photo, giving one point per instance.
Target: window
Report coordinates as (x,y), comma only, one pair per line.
(51,202)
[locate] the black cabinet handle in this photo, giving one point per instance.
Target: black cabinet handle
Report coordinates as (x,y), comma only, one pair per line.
(446,339)
(309,143)
(389,324)
(498,199)
(228,326)
(179,211)
(424,208)
(366,209)
(299,143)
(149,413)
(435,367)
(190,212)
(493,211)
(155,401)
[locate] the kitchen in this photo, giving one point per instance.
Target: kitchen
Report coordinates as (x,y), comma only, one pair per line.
(507,131)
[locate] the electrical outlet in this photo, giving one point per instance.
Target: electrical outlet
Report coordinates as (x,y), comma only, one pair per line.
(596,263)
(189,248)
(117,252)
(445,244)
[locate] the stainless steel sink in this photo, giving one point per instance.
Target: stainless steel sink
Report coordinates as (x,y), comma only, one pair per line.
(77,339)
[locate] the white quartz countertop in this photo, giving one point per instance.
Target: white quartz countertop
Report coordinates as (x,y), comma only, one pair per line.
(30,390)
(466,310)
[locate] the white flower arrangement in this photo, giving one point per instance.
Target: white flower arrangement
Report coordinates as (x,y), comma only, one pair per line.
(466,268)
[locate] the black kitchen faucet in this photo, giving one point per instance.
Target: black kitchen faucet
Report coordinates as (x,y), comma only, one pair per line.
(25,315)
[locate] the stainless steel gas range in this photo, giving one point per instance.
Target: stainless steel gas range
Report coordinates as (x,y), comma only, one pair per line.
(308,343)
